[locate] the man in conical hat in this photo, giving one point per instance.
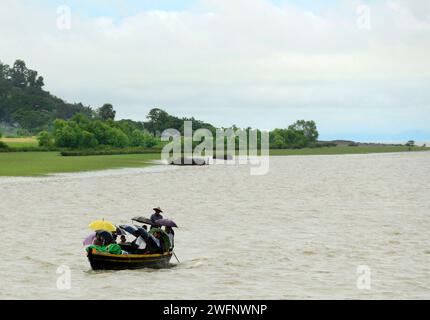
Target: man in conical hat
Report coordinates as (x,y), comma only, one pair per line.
(157,215)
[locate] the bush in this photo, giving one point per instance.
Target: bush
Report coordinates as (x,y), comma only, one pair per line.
(117,138)
(353,144)
(325,144)
(83,133)
(31,149)
(106,152)
(65,135)
(137,139)
(87,140)
(45,139)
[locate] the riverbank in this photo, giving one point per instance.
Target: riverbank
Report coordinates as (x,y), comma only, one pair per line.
(24,164)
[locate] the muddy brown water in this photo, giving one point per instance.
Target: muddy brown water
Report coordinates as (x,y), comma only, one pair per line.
(301,231)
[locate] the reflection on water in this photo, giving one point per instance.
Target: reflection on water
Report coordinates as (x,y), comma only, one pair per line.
(299,232)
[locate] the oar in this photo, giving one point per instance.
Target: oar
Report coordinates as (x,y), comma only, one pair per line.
(176,256)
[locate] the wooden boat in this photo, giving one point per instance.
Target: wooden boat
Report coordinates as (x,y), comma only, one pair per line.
(107,261)
(189,161)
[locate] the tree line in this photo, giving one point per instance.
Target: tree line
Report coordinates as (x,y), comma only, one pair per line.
(26,105)
(82,132)
(301,134)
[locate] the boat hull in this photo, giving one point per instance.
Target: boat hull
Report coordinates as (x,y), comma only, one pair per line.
(106,261)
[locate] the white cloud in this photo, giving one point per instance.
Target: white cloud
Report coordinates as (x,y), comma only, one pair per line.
(419,8)
(244,62)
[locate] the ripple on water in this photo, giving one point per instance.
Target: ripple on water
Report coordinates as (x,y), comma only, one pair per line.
(193,263)
(41,262)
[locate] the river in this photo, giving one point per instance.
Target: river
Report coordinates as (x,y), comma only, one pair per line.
(314,227)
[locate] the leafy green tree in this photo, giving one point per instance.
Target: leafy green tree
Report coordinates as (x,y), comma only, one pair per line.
(23,77)
(74,133)
(149,140)
(81,120)
(67,134)
(31,77)
(31,119)
(295,139)
(142,139)
(307,128)
(117,138)
(4,71)
(277,141)
(158,120)
(86,140)
(128,126)
(299,135)
(45,139)
(18,74)
(66,137)
(137,138)
(410,143)
(106,112)
(64,110)
(59,124)
(40,83)
(100,130)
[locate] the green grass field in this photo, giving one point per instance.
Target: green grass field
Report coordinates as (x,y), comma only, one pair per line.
(345,150)
(42,163)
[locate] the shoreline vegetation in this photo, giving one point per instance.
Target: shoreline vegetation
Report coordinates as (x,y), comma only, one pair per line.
(27,164)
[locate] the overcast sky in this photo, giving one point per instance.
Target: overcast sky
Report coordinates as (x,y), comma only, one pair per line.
(360,69)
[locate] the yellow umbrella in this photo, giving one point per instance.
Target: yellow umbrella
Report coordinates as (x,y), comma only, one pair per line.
(102,225)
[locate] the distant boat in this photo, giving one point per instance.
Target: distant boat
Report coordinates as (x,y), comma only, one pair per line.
(107,261)
(189,161)
(223,157)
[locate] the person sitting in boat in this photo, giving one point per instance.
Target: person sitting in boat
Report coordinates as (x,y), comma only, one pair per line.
(114,236)
(108,246)
(149,242)
(158,241)
(123,240)
(98,241)
(141,245)
(156,215)
(106,237)
(171,235)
